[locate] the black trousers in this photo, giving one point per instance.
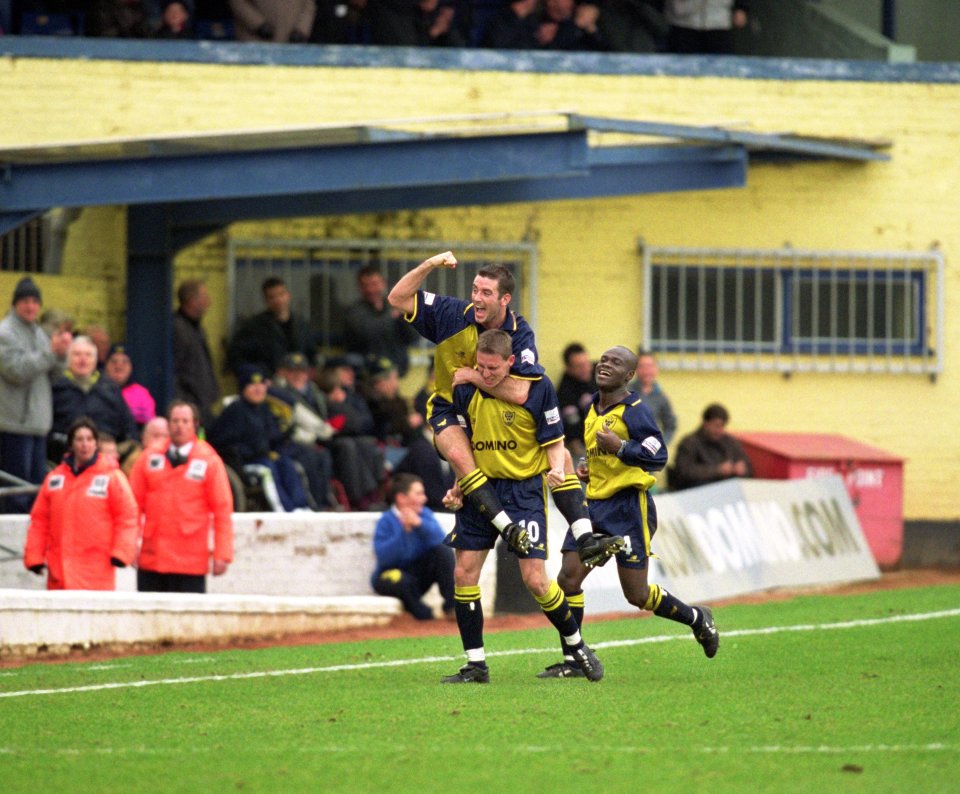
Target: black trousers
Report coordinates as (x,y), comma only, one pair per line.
(436,566)
(154,582)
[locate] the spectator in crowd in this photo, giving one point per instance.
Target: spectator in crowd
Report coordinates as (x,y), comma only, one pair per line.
(709,454)
(29,361)
(264,339)
(440,24)
(395,419)
(101,340)
(171,19)
(107,449)
(567,25)
(421,459)
(84,523)
(83,391)
(704,26)
(411,555)
(183,493)
(194,378)
(646,385)
(155,431)
(358,461)
(299,407)
(248,438)
(515,27)
(374,328)
(273,20)
(575,394)
(53,320)
(119,369)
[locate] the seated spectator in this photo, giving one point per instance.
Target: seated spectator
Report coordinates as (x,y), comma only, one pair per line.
(645,384)
(56,321)
(710,454)
(248,438)
(633,26)
(575,394)
(515,27)
(273,20)
(107,448)
(411,555)
(371,327)
(396,421)
(421,459)
(83,391)
(119,369)
(101,339)
(567,25)
(264,339)
(705,27)
(297,404)
(358,461)
(171,19)
(85,520)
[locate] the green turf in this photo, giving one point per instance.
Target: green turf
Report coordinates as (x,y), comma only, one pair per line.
(860,708)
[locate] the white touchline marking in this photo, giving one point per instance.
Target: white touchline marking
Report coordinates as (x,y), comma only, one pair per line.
(847,624)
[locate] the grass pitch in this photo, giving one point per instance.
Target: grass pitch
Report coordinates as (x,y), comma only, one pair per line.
(819,693)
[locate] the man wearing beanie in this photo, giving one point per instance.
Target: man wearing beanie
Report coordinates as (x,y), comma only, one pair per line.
(29,361)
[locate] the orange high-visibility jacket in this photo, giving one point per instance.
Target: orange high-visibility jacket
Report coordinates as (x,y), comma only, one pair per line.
(79,522)
(178,506)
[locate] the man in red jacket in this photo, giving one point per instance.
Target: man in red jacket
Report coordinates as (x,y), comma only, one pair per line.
(182,489)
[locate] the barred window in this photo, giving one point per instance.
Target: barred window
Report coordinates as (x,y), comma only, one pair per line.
(790,310)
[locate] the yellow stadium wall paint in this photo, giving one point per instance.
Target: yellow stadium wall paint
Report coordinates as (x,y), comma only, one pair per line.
(589,270)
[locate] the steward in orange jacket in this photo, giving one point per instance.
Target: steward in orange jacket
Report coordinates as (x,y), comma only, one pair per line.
(180,499)
(83,525)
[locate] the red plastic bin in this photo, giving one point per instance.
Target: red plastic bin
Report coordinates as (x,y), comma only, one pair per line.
(874,479)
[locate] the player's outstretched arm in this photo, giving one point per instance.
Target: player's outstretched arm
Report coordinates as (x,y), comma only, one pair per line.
(404,293)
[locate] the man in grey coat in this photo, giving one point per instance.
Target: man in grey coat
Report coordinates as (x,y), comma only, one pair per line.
(29,361)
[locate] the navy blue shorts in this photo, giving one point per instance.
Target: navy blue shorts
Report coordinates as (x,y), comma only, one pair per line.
(525,503)
(629,513)
(442,414)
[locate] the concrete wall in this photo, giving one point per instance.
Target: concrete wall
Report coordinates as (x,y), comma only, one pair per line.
(907,204)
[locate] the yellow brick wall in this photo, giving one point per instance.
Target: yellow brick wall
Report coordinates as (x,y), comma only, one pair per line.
(909,203)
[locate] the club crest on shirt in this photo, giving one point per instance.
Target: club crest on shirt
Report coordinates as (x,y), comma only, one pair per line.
(55,483)
(155,462)
(508,417)
(197,470)
(609,422)
(99,486)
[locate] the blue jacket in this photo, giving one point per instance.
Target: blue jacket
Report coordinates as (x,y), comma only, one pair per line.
(397,549)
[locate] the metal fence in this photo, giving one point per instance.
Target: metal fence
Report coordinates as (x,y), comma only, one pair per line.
(790,310)
(322,276)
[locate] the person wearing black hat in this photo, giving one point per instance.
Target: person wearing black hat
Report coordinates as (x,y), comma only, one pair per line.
(247,436)
(29,360)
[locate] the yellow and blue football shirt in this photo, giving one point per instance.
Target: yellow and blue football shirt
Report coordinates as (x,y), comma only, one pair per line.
(509,440)
(450,324)
(645,451)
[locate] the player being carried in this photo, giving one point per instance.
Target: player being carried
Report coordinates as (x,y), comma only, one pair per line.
(517,447)
(624,445)
(454,325)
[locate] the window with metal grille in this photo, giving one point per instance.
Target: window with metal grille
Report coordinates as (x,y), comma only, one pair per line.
(322,276)
(22,248)
(790,310)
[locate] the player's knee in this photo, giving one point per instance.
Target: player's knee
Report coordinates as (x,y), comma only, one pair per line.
(537,583)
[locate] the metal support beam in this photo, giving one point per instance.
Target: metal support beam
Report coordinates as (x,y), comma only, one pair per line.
(614,171)
(280,172)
